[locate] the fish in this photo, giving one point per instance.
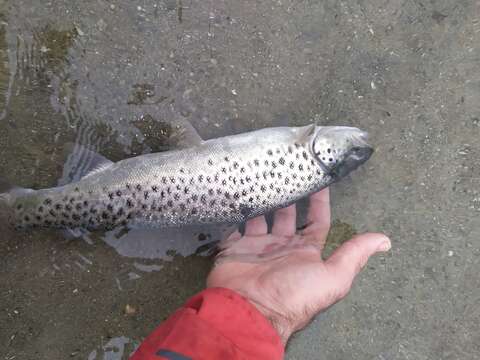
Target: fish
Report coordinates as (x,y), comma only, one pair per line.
(226,180)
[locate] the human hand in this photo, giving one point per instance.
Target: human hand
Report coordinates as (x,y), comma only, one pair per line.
(282,273)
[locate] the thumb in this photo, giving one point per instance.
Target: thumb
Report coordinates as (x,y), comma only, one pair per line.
(347,261)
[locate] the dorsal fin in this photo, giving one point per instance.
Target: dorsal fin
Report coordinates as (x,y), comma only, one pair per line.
(184,135)
(82,162)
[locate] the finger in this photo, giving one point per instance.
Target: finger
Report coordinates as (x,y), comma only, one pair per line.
(256,226)
(347,261)
(284,221)
(318,217)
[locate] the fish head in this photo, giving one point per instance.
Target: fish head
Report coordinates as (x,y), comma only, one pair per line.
(340,149)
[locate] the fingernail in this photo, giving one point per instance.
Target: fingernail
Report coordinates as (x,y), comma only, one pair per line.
(385,246)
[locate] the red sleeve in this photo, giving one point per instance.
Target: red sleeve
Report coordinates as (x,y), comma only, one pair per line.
(215,324)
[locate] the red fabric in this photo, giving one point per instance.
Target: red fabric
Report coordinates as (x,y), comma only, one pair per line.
(215,324)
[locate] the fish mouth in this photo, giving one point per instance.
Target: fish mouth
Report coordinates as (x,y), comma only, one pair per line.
(355,157)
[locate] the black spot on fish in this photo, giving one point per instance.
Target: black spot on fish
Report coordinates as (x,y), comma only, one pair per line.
(250,199)
(58,206)
(309,177)
(65,215)
(209,180)
(138,187)
(182,170)
(104,215)
(85,214)
(72,200)
(227,195)
(266,162)
(38,217)
(224,170)
(93,210)
(78,206)
(47,201)
(256,162)
(215,178)
(264,202)
(68,207)
(75,217)
(110,207)
(271,186)
(292,165)
(278,190)
(272,174)
(304,154)
(164,179)
(244,192)
(49,223)
(231,206)
(182,180)
(226,158)
(169,191)
(120,212)
(40,209)
(145,195)
(235,165)
(297,145)
(176,197)
(224,182)
(210,162)
(300,167)
(330,159)
(299,185)
(194,211)
(270,152)
(182,207)
(200,178)
(236,196)
(219,191)
(287,181)
(195,197)
(203,199)
(162,194)
(323,158)
(212,202)
(119,193)
(52,213)
(129,203)
(302,178)
(312,162)
(110,195)
(186,190)
(242,181)
(76,189)
(329,151)
(294,176)
(144,206)
(263,188)
(279,175)
(170,203)
(128,186)
(172,179)
(130,215)
(252,189)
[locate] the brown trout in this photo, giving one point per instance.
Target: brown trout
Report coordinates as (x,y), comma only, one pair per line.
(224,180)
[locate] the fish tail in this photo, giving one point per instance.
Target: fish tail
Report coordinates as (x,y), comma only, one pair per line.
(6,210)
(8,193)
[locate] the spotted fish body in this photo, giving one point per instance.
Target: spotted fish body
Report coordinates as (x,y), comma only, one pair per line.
(224,180)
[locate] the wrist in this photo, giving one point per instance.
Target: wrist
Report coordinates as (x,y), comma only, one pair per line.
(280,323)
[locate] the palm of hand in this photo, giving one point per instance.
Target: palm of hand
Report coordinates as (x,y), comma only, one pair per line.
(282,273)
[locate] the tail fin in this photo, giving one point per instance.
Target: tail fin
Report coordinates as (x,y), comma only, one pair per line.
(6,210)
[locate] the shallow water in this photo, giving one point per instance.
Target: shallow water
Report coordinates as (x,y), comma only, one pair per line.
(119,76)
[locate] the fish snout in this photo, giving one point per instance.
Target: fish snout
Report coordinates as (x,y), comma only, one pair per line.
(355,157)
